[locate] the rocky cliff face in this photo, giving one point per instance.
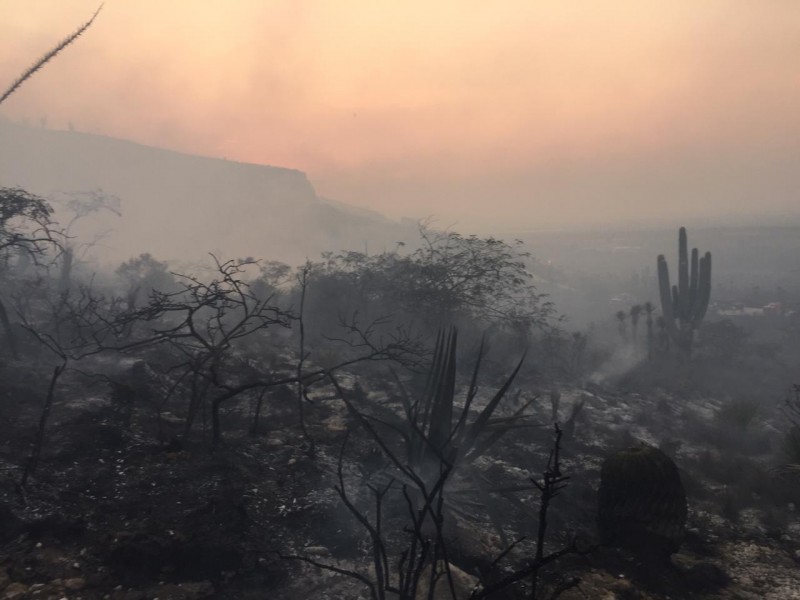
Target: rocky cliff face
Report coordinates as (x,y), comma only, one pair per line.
(179,206)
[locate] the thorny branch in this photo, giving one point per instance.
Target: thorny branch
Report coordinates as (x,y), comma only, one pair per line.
(552,482)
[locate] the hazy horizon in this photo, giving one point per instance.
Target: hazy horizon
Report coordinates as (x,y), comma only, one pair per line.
(507,117)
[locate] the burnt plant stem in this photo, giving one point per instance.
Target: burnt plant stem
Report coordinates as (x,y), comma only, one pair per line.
(526,571)
(33,461)
(553,481)
(382,583)
(257,413)
(379,553)
(12,340)
(301,388)
(426,547)
(334,569)
(198,391)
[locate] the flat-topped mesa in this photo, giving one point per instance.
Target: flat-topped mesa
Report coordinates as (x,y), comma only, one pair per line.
(684,305)
(179,207)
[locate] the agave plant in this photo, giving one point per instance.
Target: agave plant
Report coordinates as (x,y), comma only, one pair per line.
(436,432)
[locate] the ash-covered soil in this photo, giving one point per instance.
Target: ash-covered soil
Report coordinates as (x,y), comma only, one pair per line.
(123,506)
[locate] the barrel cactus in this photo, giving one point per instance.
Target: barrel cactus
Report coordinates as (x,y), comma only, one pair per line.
(642,502)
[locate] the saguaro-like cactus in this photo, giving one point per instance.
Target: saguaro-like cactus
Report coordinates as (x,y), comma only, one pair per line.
(684,305)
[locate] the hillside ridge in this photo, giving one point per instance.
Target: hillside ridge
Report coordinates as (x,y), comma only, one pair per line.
(181,206)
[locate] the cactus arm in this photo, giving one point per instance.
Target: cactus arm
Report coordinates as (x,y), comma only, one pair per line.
(683,276)
(693,279)
(697,300)
(664,288)
(676,309)
(666,298)
(704,288)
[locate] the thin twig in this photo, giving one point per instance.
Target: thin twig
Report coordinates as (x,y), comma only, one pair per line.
(33,461)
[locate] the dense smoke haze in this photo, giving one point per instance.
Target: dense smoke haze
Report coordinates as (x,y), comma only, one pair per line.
(343,300)
(505,116)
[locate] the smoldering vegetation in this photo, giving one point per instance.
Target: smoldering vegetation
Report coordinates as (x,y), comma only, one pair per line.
(449,416)
(422,421)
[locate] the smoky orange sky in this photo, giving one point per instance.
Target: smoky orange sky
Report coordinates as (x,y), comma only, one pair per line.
(508,114)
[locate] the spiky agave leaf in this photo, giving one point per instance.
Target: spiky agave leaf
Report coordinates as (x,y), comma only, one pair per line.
(434,444)
(440,422)
(469,441)
(427,427)
(457,433)
(498,428)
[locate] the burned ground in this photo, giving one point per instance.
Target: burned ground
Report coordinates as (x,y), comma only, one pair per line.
(113,511)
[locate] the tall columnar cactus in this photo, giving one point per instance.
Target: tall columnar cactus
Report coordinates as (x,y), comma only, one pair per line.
(684,305)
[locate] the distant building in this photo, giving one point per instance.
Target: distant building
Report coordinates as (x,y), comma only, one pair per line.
(623,299)
(737,309)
